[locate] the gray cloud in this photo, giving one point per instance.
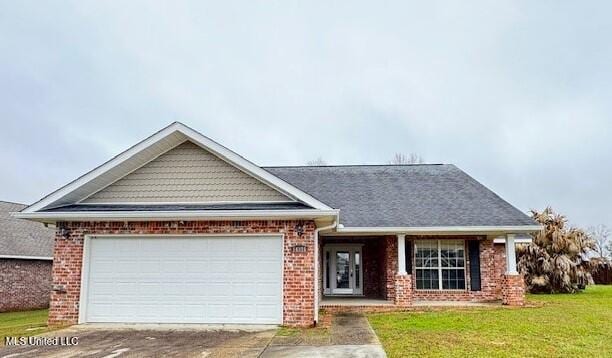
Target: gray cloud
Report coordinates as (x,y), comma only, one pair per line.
(517,93)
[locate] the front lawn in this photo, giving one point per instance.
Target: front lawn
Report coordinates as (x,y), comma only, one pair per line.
(26,323)
(562,325)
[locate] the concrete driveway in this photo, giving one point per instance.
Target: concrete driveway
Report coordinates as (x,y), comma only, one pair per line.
(162,341)
(349,335)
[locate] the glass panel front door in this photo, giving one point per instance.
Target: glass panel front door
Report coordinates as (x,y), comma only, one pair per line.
(346,276)
(343,269)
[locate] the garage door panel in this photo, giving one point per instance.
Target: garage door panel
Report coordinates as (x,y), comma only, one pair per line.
(196,266)
(185,280)
(267,289)
(221,246)
(120,248)
(244,288)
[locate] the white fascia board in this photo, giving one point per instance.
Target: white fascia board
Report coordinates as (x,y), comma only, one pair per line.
(176,215)
(200,140)
(21,257)
(518,240)
(438,230)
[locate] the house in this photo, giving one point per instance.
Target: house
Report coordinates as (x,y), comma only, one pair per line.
(179,229)
(26,257)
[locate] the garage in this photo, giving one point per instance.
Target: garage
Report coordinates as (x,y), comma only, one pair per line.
(183,279)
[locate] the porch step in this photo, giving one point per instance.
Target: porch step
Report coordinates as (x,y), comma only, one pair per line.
(353,302)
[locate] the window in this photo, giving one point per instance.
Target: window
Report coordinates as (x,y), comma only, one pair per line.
(440,264)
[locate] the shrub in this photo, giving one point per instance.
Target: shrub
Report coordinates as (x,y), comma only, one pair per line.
(556,260)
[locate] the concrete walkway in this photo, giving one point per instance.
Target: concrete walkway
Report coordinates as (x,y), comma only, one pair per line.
(350,336)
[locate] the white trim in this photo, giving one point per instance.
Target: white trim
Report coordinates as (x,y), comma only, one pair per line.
(87,256)
(401,254)
(521,240)
(316,268)
(199,139)
(20,257)
(511,255)
(84,279)
(175,215)
(438,230)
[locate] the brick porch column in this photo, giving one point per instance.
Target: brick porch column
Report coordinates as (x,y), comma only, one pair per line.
(403,281)
(513,290)
(513,286)
(403,290)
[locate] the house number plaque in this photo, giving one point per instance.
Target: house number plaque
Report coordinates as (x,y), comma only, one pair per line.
(299,248)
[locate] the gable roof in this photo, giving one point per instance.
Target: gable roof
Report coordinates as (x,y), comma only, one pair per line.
(149,149)
(366,198)
(423,196)
(187,174)
(22,238)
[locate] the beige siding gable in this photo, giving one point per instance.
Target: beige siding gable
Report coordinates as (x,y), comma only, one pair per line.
(184,174)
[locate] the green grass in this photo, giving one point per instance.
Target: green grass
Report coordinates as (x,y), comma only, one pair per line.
(562,325)
(25,323)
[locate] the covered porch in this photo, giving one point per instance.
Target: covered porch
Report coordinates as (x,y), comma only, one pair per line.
(394,271)
(357,269)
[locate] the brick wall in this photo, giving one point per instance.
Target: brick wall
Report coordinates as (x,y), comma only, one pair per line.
(24,284)
(380,274)
(492,268)
(403,290)
(513,290)
(298,274)
(390,266)
(499,256)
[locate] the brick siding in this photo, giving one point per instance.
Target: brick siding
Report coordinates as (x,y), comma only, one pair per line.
(492,269)
(513,290)
(403,290)
(24,284)
(390,245)
(382,272)
(298,271)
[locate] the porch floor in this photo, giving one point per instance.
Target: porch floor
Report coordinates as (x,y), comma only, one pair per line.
(353,301)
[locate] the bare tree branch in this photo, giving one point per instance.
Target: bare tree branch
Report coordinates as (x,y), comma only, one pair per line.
(401,158)
(317,162)
(601,236)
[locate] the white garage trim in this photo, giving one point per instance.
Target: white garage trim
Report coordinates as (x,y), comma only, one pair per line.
(86,262)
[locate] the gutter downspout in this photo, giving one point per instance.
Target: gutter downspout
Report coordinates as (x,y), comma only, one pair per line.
(316,268)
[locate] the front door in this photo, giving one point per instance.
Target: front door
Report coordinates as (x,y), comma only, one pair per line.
(344,270)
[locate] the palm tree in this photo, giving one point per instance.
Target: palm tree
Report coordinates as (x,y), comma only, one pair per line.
(556,260)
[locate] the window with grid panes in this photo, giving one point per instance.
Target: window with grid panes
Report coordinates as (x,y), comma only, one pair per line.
(440,264)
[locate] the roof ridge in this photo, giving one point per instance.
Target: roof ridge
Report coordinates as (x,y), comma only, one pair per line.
(354,165)
(12,202)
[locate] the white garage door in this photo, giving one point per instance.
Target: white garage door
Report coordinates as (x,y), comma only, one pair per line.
(184,280)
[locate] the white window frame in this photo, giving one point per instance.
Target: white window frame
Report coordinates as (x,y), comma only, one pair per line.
(439,267)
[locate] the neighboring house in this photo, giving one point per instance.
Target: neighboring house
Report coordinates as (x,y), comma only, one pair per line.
(179,229)
(26,258)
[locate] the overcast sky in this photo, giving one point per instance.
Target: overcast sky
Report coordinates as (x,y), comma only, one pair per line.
(516,93)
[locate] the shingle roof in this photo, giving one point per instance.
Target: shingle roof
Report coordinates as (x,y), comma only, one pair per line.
(403,195)
(20,237)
